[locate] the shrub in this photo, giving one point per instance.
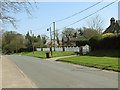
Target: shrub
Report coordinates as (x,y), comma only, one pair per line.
(108,35)
(97,42)
(94,42)
(82,42)
(44,46)
(67,46)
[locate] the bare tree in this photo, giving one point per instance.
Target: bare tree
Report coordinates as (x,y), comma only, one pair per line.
(67,35)
(88,33)
(96,23)
(0,41)
(6,6)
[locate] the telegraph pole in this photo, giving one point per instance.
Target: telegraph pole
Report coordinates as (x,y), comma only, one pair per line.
(32,40)
(54,34)
(51,40)
(49,29)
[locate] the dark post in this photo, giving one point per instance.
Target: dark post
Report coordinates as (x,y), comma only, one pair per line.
(80,50)
(51,40)
(41,49)
(63,48)
(32,39)
(54,34)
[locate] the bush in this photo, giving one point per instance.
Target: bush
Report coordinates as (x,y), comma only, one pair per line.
(44,46)
(82,42)
(94,42)
(108,35)
(110,42)
(67,46)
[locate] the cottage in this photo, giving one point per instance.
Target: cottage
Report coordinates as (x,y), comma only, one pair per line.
(48,43)
(114,27)
(72,39)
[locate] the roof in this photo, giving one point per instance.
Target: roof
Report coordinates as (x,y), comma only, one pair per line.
(118,21)
(78,38)
(112,19)
(112,28)
(75,38)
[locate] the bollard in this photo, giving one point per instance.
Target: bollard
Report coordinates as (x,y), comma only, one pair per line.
(50,49)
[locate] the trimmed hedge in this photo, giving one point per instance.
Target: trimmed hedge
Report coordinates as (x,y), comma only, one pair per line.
(112,42)
(94,42)
(101,43)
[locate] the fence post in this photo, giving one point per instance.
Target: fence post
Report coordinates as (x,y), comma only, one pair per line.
(81,50)
(41,49)
(63,49)
(50,49)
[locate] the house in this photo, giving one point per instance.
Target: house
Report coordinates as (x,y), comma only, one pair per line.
(114,27)
(71,40)
(60,42)
(48,43)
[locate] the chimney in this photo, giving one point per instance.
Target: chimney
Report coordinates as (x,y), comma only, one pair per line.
(75,34)
(112,21)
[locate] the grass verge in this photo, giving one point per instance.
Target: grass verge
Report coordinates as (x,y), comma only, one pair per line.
(42,54)
(107,63)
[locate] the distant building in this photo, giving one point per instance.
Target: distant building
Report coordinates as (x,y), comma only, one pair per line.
(114,27)
(48,43)
(72,40)
(60,42)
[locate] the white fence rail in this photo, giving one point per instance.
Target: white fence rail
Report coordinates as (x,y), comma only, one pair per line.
(58,49)
(72,49)
(85,49)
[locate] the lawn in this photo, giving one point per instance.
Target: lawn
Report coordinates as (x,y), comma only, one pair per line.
(42,54)
(108,63)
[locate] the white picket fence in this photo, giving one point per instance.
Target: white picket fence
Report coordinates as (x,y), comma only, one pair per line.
(72,49)
(85,49)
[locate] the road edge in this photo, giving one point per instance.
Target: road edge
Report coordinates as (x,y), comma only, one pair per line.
(33,85)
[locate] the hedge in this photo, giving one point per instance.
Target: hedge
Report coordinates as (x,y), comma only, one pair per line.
(82,42)
(112,42)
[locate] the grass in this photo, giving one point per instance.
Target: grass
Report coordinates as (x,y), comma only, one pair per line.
(42,54)
(102,59)
(108,63)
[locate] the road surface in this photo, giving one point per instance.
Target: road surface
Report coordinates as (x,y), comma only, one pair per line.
(52,74)
(0,72)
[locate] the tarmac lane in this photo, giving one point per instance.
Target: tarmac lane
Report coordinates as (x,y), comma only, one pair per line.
(0,72)
(52,74)
(13,77)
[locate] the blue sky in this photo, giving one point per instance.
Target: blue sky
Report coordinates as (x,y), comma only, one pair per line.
(48,12)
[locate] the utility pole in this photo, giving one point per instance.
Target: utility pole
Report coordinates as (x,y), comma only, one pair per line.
(54,34)
(51,39)
(32,39)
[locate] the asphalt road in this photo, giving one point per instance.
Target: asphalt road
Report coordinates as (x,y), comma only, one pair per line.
(52,74)
(0,72)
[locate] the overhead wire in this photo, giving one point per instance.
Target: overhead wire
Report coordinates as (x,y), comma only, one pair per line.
(80,11)
(44,27)
(72,15)
(91,14)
